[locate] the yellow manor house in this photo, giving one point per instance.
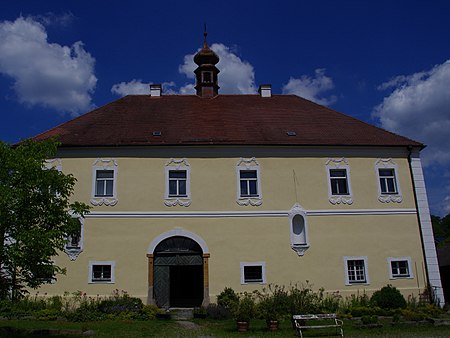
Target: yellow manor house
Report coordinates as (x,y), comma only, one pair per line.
(194,193)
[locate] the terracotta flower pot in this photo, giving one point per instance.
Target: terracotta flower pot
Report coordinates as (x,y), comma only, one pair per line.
(242,326)
(272,325)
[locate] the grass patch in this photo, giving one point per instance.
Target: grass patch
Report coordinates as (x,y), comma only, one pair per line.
(213,328)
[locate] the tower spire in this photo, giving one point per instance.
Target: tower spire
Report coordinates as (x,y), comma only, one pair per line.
(206,72)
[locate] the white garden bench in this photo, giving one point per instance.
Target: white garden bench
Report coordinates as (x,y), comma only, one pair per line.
(328,320)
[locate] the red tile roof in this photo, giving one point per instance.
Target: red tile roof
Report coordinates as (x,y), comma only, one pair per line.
(223,120)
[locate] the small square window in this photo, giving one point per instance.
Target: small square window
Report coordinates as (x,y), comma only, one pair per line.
(356,270)
(253,273)
(399,267)
(45,273)
(101,272)
(338,181)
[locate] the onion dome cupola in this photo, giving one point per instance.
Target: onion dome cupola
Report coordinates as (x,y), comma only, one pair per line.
(206,72)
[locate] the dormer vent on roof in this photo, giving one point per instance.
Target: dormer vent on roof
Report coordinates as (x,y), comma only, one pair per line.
(206,72)
(155,90)
(265,90)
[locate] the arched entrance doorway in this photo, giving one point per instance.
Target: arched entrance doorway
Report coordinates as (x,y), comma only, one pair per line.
(178,271)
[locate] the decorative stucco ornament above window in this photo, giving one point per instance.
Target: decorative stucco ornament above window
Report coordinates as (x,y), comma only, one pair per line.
(248,177)
(388,184)
(178,183)
(74,245)
(104,182)
(53,163)
(339,187)
(298,225)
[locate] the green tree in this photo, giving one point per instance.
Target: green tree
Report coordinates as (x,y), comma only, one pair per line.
(441,229)
(36,215)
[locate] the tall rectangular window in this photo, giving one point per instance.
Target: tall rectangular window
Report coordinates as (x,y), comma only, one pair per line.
(104,183)
(338,182)
(177,183)
(387,181)
(356,270)
(248,183)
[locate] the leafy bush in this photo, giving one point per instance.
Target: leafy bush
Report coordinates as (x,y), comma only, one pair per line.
(150,311)
(274,303)
(245,309)
(411,315)
(388,298)
(304,300)
(228,299)
(215,311)
(86,313)
(362,311)
(121,304)
(47,314)
(331,302)
(431,310)
(366,320)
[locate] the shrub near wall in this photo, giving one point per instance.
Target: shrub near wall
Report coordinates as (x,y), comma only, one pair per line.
(388,298)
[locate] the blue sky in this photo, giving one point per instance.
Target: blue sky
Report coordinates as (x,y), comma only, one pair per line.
(384,62)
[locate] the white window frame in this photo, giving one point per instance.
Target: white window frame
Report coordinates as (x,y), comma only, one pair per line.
(366,270)
(339,164)
(263,272)
(178,165)
(388,163)
(113,270)
(400,259)
(100,165)
(248,164)
(74,252)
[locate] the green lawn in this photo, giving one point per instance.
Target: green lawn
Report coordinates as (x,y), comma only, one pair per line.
(206,328)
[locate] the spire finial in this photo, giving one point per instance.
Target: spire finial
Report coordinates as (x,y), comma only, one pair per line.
(205,34)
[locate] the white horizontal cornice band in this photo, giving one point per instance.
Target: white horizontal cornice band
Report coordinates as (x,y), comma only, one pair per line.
(221,214)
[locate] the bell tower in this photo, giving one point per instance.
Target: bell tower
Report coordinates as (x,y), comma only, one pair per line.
(206,72)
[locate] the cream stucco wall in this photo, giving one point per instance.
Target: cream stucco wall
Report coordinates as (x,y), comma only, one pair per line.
(122,233)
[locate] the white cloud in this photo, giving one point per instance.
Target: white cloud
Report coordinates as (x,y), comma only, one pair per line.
(47,74)
(52,19)
(419,108)
(137,87)
(311,88)
(134,87)
(236,76)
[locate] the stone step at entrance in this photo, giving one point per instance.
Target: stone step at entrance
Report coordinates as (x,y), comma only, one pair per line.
(181,313)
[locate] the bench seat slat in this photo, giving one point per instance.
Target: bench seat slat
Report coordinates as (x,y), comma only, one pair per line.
(303,319)
(317,326)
